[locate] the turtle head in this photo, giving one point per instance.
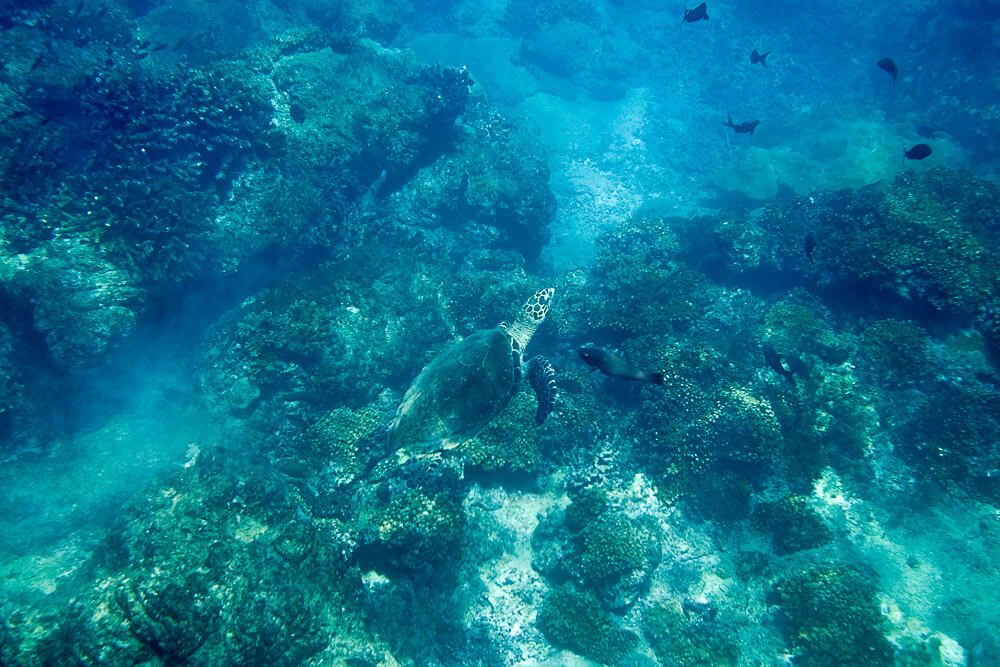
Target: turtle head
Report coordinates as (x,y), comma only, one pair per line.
(537,307)
(533,312)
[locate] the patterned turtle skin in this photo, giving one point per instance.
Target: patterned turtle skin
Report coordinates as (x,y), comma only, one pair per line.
(471,381)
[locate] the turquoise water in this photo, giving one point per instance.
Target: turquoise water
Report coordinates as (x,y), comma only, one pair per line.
(245,248)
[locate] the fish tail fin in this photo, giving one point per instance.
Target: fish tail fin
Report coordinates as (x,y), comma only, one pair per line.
(763,58)
(656,378)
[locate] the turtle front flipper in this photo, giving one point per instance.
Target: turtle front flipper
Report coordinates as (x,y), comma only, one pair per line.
(542,377)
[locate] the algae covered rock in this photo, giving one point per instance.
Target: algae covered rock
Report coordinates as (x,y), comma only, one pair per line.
(895,352)
(220,565)
(368,109)
(949,438)
(683,642)
(793,524)
(495,177)
(834,617)
(574,619)
(595,60)
(412,520)
(926,239)
(327,343)
(83,305)
(837,154)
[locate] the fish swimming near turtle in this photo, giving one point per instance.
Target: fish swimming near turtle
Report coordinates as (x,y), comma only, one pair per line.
(809,246)
(741,128)
(613,365)
(699,13)
(471,381)
(777,363)
(758,57)
(888,65)
(918,152)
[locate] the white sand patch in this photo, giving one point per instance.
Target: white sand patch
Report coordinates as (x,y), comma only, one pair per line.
(511,589)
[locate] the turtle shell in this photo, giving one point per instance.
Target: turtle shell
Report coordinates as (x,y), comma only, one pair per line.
(458,392)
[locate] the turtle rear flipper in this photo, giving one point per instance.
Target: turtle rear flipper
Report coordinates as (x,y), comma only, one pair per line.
(542,377)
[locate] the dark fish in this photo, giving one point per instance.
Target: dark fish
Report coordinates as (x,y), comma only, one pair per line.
(742,128)
(293,467)
(371,194)
(918,152)
(888,65)
(795,365)
(699,13)
(810,245)
(611,364)
(926,132)
(757,57)
(773,360)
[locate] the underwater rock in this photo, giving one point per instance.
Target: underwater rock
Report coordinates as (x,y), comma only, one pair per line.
(496,176)
(412,524)
(957,32)
(922,241)
(793,524)
(681,641)
(11,391)
(369,109)
(241,394)
(589,61)
(82,304)
(207,569)
(834,617)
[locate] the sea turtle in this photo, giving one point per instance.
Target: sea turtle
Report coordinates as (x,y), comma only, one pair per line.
(465,386)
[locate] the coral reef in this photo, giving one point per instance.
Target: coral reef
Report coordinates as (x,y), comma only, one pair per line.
(896,352)
(834,617)
(574,619)
(412,520)
(678,640)
(83,304)
(923,240)
(793,524)
(949,438)
(286,194)
(210,569)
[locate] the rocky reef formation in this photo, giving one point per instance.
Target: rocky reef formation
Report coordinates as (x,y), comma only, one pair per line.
(356,211)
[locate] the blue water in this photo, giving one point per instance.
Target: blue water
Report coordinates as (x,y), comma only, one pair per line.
(244,247)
